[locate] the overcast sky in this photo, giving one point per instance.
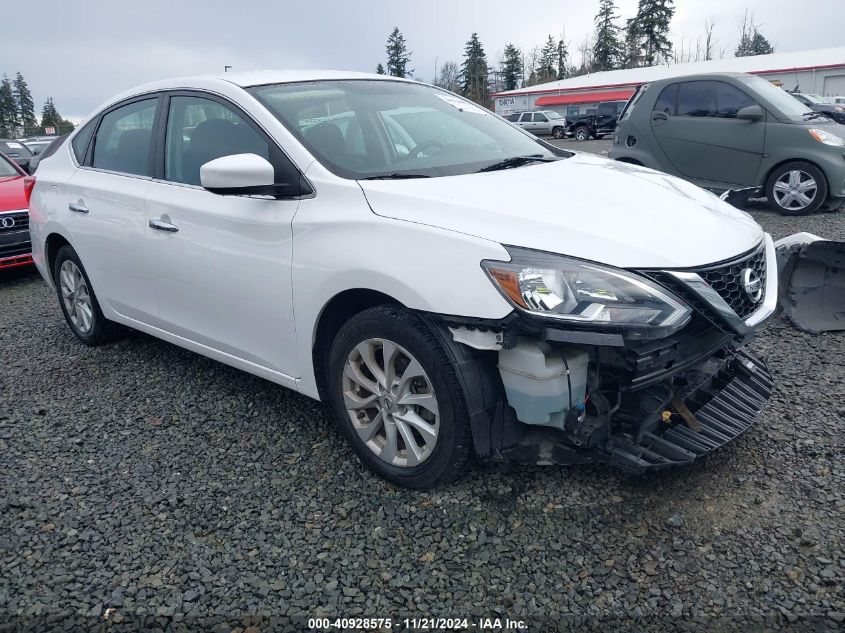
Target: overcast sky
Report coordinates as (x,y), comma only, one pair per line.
(84,51)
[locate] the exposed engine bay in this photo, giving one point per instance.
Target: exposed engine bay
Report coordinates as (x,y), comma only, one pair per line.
(575,396)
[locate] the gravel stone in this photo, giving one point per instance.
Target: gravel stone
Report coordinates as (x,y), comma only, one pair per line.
(165,490)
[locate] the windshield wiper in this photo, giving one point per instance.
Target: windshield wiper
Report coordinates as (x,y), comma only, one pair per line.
(396,176)
(517,161)
(814,115)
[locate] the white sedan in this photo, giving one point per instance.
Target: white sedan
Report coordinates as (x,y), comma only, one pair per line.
(448,283)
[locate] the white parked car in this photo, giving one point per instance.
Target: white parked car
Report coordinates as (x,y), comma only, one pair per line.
(478,291)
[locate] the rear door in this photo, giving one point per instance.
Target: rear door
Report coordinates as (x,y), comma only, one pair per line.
(105,210)
(221,263)
(695,124)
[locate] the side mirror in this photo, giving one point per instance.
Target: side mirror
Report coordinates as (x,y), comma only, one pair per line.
(238,174)
(750,113)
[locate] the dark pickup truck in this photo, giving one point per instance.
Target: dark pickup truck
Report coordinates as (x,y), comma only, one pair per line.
(584,126)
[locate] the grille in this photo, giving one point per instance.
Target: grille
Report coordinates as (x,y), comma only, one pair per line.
(726,279)
(20,219)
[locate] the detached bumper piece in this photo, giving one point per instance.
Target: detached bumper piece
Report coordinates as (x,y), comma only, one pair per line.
(723,409)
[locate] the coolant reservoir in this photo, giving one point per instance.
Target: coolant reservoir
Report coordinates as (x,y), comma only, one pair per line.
(534,375)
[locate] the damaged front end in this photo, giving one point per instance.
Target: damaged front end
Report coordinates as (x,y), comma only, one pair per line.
(578,394)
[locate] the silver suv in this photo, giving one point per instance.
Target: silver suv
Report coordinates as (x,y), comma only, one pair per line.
(540,122)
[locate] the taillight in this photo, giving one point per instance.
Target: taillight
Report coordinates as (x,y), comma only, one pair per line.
(28,185)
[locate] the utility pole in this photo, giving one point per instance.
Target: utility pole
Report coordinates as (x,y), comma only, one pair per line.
(226,68)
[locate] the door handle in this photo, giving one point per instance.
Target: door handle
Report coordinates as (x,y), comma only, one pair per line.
(77,208)
(161,225)
(659,116)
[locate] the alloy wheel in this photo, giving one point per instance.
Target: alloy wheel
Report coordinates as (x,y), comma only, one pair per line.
(795,190)
(391,402)
(76,297)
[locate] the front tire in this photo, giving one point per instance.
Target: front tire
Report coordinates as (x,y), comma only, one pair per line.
(582,133)
(796,188)
(395,393)
(558,132)
(79,303)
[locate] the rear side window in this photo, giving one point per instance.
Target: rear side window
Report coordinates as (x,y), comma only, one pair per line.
(512,117)
(81,140)
(666,101)
(710,99)
(526,117)
(124,137)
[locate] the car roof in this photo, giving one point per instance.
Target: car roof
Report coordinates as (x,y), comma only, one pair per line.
(699,76)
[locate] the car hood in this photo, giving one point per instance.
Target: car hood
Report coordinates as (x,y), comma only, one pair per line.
(12,194)
(584,206)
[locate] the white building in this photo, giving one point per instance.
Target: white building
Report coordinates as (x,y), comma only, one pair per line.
(818,71)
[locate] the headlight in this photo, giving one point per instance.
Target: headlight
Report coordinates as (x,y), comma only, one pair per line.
(823,136)
(585,293)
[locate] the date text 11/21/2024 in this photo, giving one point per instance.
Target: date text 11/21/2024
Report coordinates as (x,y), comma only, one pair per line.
(416,624)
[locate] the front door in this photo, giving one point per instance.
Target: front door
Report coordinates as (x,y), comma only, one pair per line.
(695,124)
(222,264)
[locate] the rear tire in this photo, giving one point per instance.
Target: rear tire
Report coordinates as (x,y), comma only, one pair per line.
(410,428)
(796,188)
(582,133)
(79,303)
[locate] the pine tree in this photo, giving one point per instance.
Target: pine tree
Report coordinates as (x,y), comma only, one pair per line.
(397,54)
(633,44)
(379,69)
(474,72)
(547,68)
(24,102)
(8,109)
(653,18)
(607,51)
(562,57)
(751,40)
(50,117)
(511,67)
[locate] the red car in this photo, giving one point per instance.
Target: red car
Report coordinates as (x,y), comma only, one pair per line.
(15,187)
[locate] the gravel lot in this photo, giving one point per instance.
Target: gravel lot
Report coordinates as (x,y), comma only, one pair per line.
(143,484)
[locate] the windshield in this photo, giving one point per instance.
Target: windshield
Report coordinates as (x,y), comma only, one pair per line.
(781,100)
(381,128)
(817,99)
(553,115)
(6,169)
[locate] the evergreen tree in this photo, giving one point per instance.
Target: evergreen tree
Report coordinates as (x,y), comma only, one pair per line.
(397,54)
(379,69)
(653,18)
(547,68)
(50,117)
(562,57)
(751,40)
(474,73)
(511,67)
(8,109)
(24,102)
(607,51)
(633,44)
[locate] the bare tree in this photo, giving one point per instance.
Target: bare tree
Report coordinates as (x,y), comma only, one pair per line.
(709,42)
(448,76)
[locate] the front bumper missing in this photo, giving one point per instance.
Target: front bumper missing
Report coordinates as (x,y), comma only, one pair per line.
(725,396)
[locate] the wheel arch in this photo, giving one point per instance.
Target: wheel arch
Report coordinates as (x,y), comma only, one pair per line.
(337,311)
(785,161)
(52,245)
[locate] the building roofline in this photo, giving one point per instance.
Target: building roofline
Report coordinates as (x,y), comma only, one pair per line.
(634,84)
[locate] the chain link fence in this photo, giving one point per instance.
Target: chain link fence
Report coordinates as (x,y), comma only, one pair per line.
(19,131)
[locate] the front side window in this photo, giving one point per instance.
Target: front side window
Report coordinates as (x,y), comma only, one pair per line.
(383,128)
(666,101)
(540,118)
(123,140)
(607,109)
(711,99)
(200,130)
